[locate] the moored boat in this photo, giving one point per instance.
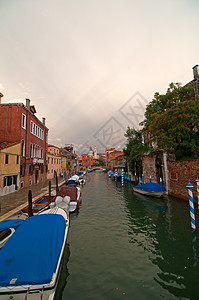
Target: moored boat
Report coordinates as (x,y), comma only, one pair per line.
(150,189)
(74,193)
(39,204)
(31,259)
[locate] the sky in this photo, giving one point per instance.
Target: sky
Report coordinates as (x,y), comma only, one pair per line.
(90,67)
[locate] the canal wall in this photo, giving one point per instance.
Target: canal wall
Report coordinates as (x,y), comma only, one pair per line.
(175,174)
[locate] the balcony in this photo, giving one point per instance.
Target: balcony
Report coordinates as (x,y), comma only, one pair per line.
(38,160)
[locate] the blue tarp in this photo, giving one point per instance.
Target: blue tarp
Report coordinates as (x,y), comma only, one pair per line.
(31,254)
(151,187)
(10,224)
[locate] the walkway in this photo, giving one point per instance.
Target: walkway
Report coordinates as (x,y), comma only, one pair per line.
(14,202)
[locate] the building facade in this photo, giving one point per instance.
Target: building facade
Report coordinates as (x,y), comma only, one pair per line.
(87,161)
(54,161)
(9,167)
(19,123)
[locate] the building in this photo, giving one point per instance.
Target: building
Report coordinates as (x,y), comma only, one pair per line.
(195,83)
(9,167)
(54,162)
(19,123)
(87,161)
(72,159)
(112,154)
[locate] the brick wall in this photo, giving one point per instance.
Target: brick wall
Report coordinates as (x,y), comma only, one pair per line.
(179,172)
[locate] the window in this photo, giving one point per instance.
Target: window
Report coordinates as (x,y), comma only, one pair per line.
(23,121)
(30,150)
(17,161)
(6,159)
(52,160)
(22,148)
(31,126)
(34,129)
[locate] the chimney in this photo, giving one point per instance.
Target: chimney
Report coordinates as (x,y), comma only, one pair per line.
(44,121)
(28,103)
(196,71)
(1,95)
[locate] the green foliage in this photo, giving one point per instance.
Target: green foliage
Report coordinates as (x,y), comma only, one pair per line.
(100,163)
(161,103)
(134,147)
(177,129)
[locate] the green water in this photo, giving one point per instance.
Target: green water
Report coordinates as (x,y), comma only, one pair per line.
(123,245)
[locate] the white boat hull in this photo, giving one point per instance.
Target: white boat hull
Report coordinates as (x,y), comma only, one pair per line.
(146,193)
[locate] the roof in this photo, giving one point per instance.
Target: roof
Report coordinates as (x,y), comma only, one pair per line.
(4,145)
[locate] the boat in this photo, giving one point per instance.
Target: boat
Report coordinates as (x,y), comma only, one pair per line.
(31,259)
(110,173)
(150,189)
(39,204)
(71,191)
(7,228)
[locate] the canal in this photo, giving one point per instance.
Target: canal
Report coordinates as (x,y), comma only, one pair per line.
(122,245)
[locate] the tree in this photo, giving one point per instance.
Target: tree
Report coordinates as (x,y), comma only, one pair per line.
(135,147)
(177,129)
(161,103)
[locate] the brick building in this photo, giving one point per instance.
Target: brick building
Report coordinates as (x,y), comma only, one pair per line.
(87,161)
(20,124)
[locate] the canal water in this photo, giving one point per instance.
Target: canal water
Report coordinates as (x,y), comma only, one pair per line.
(122,245)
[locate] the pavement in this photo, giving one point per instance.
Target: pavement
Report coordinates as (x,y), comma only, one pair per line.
(14,202)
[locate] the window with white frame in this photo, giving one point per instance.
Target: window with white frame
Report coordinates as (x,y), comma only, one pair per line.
(23,123)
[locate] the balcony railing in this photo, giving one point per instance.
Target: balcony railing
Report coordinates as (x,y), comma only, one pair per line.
(38,160)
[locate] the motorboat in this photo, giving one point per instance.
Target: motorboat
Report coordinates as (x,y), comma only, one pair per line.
(150,189)
(31,259)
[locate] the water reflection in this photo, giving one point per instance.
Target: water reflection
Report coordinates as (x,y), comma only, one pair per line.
(63,274)
(162,228)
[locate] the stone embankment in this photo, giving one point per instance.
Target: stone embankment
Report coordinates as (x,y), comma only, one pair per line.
(12,203)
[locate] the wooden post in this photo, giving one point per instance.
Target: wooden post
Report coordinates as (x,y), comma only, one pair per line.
(49,191)
(56,178)
(30,213)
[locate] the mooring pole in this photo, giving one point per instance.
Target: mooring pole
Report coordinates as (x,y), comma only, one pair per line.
(116,175)
(197,181)
(122,178)
(49,191)
(191,205)
(56,178)
(30,213)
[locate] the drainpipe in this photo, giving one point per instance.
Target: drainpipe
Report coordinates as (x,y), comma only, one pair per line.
(166,172)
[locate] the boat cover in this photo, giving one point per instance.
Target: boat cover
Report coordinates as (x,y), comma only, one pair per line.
(70,191)
(10,224)
(151,187)
(31,254)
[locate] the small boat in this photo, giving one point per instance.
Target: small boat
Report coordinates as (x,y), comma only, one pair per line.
(74,193)
(150,189)
(39,204)
(82,181)
(110,173)
(31,259)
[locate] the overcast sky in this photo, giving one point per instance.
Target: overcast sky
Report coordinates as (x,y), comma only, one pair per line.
(91,66)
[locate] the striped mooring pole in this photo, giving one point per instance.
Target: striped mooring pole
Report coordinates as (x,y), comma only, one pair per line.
(116,175)
(197,181)
(130,178)
(135,179)
(191,205)
(122,178)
